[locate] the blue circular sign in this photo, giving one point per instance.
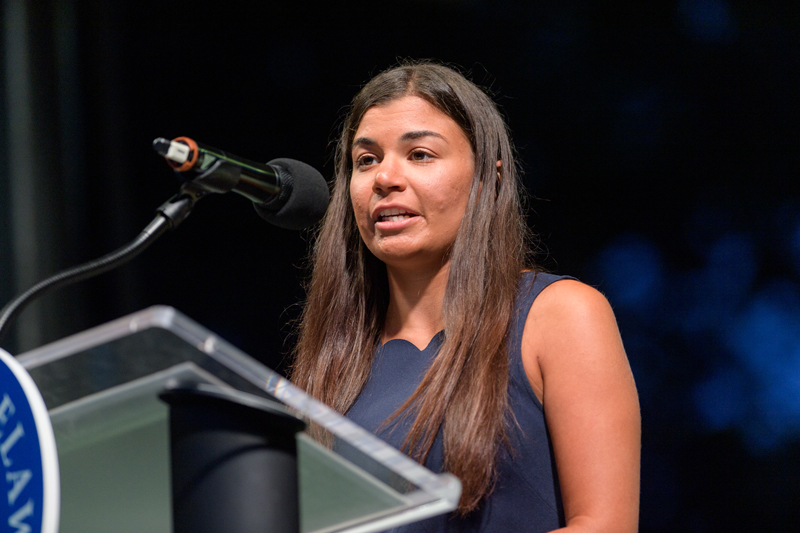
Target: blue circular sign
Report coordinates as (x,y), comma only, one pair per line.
(28,455)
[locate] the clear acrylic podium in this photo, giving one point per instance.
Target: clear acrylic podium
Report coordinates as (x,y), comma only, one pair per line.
(101,389)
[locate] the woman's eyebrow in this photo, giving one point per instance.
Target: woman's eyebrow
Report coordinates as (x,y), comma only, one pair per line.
(414,135)
(364,141)
(408,136)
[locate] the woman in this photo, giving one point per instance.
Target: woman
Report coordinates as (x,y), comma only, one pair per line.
(424,324)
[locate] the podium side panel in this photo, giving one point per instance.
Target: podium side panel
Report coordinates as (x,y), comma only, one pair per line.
(118,484)
(332,492)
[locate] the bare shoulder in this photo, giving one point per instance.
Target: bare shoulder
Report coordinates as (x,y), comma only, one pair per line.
(571,300)
(569,324)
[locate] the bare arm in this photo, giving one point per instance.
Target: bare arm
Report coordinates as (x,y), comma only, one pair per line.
(574,359)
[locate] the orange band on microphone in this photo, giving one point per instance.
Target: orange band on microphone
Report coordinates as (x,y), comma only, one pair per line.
(193,153)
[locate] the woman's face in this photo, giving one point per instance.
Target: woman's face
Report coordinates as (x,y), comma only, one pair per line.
(412,172)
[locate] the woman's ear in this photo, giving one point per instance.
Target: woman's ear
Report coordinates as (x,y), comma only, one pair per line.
(499,169)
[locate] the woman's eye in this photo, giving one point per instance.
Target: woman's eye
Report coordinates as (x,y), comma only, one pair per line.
(420,156)
(364,161)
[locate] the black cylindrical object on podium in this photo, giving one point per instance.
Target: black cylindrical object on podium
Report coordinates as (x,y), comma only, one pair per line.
(234,462)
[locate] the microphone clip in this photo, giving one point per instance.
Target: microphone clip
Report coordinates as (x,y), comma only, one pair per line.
(219,178)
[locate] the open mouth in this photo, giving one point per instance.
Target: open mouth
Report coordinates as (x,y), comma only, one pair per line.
(394,215)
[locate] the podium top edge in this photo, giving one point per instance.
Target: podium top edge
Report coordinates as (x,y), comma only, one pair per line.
(160,316)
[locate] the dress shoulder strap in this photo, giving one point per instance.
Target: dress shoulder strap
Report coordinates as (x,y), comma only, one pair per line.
(530,286)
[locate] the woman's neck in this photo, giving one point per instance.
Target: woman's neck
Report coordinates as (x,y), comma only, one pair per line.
(415,305)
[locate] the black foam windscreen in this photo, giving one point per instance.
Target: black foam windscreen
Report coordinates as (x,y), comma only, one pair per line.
(303,196)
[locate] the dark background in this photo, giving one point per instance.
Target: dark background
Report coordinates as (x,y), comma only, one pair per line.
(660,146)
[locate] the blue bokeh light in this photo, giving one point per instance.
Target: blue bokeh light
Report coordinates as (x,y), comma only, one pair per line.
(721,400)
(742,339)
(758,390)
(765,337)
(717,290)
(632,272)
(707,20)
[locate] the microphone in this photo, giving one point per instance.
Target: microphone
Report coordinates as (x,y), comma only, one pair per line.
(285,192)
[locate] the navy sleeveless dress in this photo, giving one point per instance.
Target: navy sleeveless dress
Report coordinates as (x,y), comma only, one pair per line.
(527,496)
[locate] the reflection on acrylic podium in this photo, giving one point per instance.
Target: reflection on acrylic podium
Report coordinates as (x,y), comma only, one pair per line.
(102,388)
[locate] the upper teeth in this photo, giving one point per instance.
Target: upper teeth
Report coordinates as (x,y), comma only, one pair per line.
(394,214)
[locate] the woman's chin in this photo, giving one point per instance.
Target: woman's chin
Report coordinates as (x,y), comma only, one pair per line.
(412,259)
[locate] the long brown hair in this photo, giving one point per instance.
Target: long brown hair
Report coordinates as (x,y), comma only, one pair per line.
(465,390)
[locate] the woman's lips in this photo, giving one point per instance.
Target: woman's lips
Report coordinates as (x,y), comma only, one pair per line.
(394,218)
(394,215)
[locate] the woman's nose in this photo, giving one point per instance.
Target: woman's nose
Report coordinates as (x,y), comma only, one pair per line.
(389,177)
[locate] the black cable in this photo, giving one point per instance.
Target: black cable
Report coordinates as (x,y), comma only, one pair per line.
(170,214)
(85,271)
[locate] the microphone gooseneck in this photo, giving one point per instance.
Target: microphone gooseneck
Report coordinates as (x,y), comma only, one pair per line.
(85,271)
